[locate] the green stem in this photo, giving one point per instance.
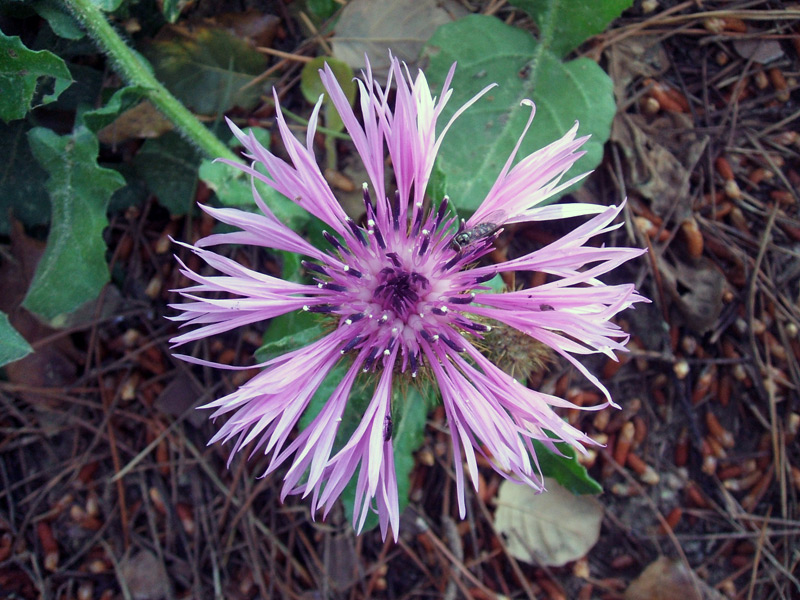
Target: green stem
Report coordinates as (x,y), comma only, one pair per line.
(135,71)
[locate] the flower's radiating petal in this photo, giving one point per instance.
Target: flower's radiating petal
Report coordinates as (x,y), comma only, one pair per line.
(402,296)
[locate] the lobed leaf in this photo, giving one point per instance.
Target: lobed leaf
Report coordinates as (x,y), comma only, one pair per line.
(480,141)
(210,71)
(22,71)
(73,268)
(12,345)
(564,26)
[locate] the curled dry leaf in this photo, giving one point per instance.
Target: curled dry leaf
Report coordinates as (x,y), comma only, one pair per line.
(659,165)
(697,290)
(552,528)
(760,50)
(667,579)
(144,576)
(141,121)
(370,26)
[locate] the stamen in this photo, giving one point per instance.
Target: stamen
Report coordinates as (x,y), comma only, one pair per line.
(334,287)
(441,212)
(354,272)
(315,267)
(334,242)
(424,247)
(452,344)
(351,344)
(373,354)
(452,262)
(379,237)
(417,222)
(356,231)
(462,299)
(485,278)
(367,199)
(322,308)
(396,210)
(354,318)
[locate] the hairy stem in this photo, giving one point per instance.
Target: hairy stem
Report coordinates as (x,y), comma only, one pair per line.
(136,71)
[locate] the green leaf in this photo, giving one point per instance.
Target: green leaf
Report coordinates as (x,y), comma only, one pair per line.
(437,184)
(209,72)
(12,345)
(480,141)
(232,188)
(107,5)
(22,192)
(564,26)
(171,9)
(322,9)
(312,88)
(169,164)
(122,100)
(409,415)
(566,469)
(60,20)
(289,332)
(21,71)
(73,268)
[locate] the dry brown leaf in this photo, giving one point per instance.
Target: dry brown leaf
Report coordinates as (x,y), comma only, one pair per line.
(552,528)
(760,50)
(658,165)
(667,579)
(635,58)
(403,26)
(53,364)
(144,576)
(141,121)
(697,290)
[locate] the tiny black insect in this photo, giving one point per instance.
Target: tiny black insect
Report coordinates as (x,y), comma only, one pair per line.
(473,234)
(545,307)
(494,221)
(387,428)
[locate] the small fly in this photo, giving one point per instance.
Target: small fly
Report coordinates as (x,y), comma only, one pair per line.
(387,428)
(481,230)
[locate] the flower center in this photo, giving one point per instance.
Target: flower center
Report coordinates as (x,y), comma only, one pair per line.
(399,290)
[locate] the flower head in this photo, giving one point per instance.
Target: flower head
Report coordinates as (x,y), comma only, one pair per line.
(405,297)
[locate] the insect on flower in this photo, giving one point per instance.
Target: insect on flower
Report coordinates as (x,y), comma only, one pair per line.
(405,297)
(464,237)
(387,428)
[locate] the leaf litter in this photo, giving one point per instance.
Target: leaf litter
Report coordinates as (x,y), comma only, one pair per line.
(107,462)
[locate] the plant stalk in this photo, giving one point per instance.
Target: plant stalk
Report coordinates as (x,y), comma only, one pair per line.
(136,71)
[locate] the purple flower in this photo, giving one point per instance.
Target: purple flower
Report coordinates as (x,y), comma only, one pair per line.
(405,299)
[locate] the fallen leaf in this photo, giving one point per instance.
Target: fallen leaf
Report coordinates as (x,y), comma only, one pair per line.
(633,59)
(403,26)
(697,290)
(659,165)
(551,528)
(141,121)
(209,70)
(144,576)
(758,49)
(668,579)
